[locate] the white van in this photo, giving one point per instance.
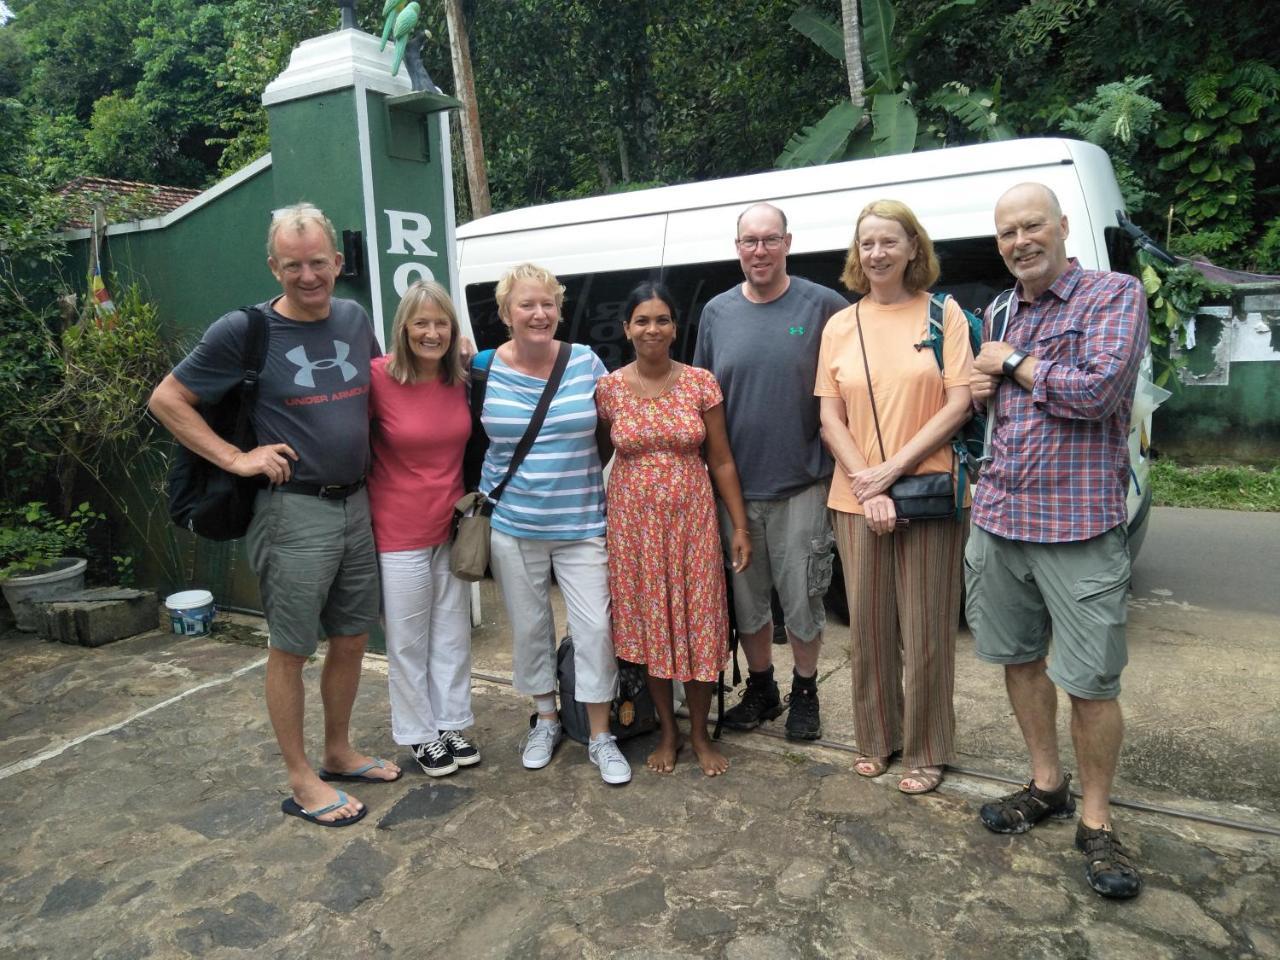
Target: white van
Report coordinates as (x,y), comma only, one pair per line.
(601,247)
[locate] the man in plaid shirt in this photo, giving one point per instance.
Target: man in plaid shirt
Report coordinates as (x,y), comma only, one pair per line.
(1048,553)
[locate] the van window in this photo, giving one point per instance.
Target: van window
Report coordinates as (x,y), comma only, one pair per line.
(592,312)
(972,272)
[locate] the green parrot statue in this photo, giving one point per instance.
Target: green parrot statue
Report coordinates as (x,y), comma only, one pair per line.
(402,17)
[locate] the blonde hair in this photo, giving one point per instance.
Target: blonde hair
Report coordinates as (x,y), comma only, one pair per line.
(297,218)
(922,272)
(525,271)
(400,364)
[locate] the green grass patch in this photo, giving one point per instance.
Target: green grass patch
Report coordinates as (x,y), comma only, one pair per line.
(1222,488)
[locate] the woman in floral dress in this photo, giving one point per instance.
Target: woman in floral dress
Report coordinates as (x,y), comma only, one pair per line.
(666,569)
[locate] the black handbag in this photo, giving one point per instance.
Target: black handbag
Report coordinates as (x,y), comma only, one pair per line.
(924,496)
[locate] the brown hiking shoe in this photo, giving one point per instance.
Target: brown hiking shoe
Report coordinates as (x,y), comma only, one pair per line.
(1019,812)
(1110,871)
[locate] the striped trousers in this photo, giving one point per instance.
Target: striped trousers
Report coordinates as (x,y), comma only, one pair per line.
(904,611)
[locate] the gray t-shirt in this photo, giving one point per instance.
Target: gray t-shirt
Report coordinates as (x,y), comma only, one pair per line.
(765,356)
(314,389)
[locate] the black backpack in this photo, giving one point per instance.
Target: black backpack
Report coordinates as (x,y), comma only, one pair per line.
(204,498)
(631,713)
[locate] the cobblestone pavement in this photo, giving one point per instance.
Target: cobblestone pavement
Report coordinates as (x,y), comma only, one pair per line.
(163,837)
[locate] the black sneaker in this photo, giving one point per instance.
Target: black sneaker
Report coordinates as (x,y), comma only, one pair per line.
(460,748)
(1020,811)
(434,758)
(760,702)
(1110,871)
(803,722)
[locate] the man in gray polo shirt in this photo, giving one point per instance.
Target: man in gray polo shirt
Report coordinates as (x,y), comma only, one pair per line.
(310,542)
(760,339)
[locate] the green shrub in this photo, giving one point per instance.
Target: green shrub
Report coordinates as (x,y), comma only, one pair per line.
(32,539)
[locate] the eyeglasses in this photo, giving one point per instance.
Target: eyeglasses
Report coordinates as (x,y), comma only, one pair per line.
(750,243)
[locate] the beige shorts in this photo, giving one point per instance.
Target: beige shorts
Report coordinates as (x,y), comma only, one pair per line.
(792,550)
(1019,594)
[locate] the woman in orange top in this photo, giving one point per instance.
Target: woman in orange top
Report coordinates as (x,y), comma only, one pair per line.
(902,580)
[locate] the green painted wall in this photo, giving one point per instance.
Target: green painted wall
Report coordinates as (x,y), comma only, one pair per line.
(320,168)
(1236,422)
(1226,407)
(411,241)
(208,262)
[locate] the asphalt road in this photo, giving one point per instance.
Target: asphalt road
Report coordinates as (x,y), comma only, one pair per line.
(1217,559)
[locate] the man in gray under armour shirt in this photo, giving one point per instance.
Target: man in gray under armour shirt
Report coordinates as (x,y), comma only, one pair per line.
(760,339)
(310,542)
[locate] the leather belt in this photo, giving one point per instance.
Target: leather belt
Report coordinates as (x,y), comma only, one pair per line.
(325,491)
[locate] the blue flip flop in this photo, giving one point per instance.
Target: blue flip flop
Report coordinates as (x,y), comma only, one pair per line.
(359,774)
(294,809)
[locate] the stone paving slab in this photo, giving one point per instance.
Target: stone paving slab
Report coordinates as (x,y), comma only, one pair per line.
(164,838)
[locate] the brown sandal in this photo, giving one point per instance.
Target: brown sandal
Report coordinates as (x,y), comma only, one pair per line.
(927,779)
(877,766)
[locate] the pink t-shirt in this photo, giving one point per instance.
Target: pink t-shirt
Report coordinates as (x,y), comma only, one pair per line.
(418,432)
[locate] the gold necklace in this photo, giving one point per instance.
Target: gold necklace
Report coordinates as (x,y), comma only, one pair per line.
(644,394)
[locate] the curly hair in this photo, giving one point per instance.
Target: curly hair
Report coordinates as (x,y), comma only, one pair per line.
(525,271)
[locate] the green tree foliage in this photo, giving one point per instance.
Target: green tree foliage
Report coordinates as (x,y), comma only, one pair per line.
(1052,54)
(893,124)
(1117,118)
(30,254)
(1214,150)
(581,97)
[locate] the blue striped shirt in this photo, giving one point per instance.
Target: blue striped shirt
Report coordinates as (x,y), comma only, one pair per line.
(557,493)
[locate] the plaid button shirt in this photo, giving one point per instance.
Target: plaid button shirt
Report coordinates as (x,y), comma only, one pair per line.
(1060,454)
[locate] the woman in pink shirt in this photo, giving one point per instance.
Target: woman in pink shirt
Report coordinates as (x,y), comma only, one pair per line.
(420,423)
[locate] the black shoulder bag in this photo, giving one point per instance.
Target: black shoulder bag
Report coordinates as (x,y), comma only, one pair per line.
(204,498)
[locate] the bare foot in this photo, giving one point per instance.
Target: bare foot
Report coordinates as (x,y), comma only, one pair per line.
(712,761)
(315,794)
(351,760)
(663,759)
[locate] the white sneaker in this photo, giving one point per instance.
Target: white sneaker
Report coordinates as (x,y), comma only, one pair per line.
(604,753)
(540,744)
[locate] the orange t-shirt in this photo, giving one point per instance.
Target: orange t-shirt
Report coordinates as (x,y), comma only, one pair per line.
(908,385)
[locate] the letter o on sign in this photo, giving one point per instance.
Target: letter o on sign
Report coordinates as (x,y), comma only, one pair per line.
(405,275)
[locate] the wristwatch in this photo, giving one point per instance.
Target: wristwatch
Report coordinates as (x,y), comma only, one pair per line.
(1011,362)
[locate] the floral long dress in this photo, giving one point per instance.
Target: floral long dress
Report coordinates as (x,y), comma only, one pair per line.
(666,568)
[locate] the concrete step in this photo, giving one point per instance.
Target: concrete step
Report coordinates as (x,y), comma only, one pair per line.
(99,615)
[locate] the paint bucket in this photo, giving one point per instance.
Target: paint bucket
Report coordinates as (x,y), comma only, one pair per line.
(190,612)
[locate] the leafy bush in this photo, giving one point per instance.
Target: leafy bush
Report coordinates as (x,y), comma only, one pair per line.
(32,539)
(1211,153)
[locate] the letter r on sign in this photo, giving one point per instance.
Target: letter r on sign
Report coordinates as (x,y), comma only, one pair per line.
(409,232)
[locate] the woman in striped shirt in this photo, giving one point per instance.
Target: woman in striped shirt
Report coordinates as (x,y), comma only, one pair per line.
(550,517)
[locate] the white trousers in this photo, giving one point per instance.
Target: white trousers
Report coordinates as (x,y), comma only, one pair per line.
(428,624)
(522,568)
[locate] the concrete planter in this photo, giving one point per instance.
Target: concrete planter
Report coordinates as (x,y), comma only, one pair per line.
(63,578)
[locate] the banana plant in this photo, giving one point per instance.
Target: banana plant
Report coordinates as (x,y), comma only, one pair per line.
(891,125)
